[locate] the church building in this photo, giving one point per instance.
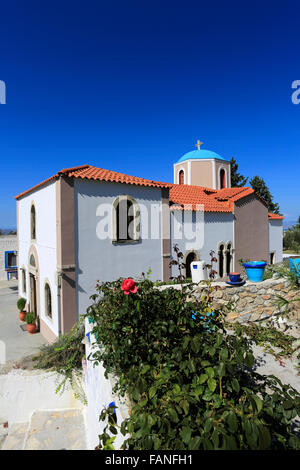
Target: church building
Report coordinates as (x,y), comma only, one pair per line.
(86,224)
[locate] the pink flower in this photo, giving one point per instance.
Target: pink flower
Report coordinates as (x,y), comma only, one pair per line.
(128,285)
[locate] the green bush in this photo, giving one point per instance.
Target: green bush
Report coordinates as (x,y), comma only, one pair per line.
(191,385)
(30,318)
(21,304)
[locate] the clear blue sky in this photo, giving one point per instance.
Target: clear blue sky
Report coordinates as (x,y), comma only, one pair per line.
(130,86)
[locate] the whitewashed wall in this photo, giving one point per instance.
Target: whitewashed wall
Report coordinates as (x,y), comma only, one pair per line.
(210,228)
(7,243)
(99,395)
(45,205)
(102,260)
(276,239)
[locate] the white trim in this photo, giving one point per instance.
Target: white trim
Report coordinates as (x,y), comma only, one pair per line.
(202,160)
(214,175)
(189,172)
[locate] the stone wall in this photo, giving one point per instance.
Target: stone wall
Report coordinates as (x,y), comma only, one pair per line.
(253,301)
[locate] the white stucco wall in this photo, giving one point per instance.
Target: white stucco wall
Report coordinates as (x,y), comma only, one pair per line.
(210,228)
(44,200)
(276,239)
(22,392)
(7,243)
(99,395)
(100,259)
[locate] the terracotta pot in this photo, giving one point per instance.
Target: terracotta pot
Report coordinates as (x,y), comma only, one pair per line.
(22,315)
(31,328)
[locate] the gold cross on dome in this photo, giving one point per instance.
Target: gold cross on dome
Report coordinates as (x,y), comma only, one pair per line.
(198,144)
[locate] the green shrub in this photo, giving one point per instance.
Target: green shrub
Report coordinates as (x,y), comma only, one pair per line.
(191,385)
(30,318)
(21,304)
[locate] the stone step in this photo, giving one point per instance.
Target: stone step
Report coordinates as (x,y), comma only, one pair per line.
(14,439)
(56,430)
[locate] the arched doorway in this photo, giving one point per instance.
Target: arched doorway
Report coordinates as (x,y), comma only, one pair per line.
(189,259)
(228,255)
(34,291)
(221,260)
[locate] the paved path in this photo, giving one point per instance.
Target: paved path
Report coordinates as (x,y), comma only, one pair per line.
(18,343)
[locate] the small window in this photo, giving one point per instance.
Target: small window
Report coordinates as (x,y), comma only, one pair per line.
(10,259)
(32,261)
(23,280)
(181,177)
(33,222)
(48,301)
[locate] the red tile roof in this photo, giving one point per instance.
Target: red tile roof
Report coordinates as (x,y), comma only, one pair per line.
(180,194)
(275,216)
(98,174)
(213,200)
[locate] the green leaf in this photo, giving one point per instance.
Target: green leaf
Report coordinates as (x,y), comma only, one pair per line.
(232,421)
(224,354)
(145,369)
(173,415)
(195,345)
(203,378)
(221,369)
(210,372)
(195,443)
(152,392)
(258,402)
(235,385)
(211,384)
(186,434)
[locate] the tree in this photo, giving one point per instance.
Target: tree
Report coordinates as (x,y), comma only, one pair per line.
(262,190)
(297,226)
(237,180)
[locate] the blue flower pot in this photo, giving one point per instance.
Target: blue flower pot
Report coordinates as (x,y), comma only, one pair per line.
(295,266)
(255,270)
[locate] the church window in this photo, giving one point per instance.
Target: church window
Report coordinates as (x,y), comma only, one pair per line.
(181,177)
(48,301)
(32,222)
(125,220)
(222,178)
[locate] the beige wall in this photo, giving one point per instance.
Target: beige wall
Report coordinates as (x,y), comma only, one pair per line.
(251,231)
(202,173)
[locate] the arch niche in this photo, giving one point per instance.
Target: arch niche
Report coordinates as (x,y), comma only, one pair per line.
(34,284)
(189,257)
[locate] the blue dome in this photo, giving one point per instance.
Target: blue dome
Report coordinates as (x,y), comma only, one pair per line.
(196,154)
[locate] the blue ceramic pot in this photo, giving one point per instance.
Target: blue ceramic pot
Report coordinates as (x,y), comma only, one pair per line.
(255,270)
(235,277)
(295,266)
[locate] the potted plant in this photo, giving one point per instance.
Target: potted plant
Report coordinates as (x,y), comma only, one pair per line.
(255,270)
(21,307)
(30,320)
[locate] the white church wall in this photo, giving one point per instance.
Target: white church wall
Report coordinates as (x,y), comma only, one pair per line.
(209,228)
(276,239)
(45,244)
(100,259)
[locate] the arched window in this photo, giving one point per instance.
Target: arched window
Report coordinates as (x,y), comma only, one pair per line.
(32,261)
(23,280)
(48,301)
(125,220)
(222,178)
(32,223)
(221,259)
(181,177)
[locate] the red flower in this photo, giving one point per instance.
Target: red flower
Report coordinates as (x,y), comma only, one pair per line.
(128,285)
